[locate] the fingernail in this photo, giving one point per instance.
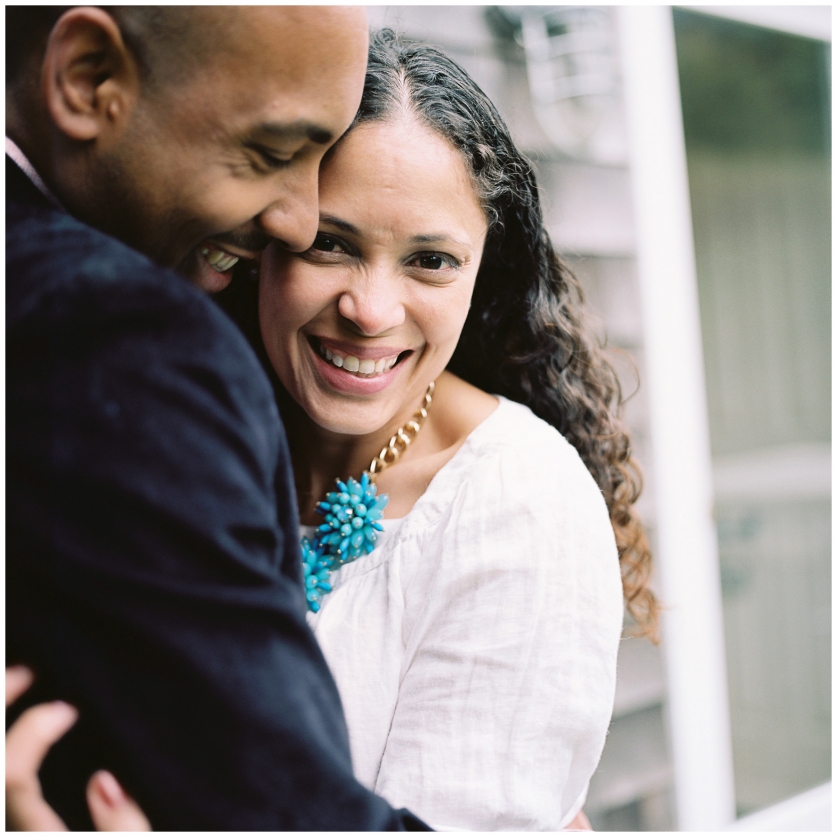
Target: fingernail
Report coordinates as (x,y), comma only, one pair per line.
(65,707)
(110,788)
(20,671)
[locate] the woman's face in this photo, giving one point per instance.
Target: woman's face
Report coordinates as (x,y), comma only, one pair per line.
(358,325)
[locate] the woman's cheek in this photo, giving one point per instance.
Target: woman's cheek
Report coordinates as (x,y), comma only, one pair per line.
(445,324)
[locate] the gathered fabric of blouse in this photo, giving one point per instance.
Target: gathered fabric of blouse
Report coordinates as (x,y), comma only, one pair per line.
(475,647)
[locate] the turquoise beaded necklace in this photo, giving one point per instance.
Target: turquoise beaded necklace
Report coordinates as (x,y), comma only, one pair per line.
(353,513)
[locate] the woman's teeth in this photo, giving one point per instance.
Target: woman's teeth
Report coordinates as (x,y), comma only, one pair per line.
(218,259)
(366,368)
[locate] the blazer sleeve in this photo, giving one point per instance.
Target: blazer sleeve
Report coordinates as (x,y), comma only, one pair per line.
(152,564)
(511,628)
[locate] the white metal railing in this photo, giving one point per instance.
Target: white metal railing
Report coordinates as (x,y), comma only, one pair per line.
(686,545)
(809,811)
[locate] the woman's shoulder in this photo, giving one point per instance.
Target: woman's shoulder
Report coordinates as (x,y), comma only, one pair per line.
(516,499)
(489,427)
(515,438)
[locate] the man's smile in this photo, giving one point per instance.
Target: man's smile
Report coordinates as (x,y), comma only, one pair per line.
(218,259)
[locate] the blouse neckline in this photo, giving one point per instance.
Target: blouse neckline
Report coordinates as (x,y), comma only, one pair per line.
(398,529)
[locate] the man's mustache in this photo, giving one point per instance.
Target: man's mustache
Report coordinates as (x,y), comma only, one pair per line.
(252,242)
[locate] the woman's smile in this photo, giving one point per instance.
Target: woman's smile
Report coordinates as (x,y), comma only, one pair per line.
(356,370)
(363,360)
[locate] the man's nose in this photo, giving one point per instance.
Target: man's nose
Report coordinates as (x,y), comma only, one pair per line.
(293,217)
(373,302)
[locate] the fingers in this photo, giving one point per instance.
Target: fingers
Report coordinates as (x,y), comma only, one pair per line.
(18,680)
(27,742)
(111,808)
(31,736)
(580,823)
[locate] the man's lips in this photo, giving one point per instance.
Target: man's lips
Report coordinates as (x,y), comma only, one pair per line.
(222,257)
(218,259)
(200,273)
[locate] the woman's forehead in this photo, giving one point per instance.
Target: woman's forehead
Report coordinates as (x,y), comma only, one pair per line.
(401,167)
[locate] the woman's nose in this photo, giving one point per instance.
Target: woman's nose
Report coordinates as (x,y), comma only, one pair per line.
(373,303)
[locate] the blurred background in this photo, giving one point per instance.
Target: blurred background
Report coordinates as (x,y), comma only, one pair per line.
(684,160)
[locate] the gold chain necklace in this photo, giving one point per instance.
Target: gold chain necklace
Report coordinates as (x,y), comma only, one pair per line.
(353,513)
(403,437)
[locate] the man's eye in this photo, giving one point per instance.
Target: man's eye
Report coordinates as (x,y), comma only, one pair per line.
(433,261)
(273,162)
(328,244)
(266,158)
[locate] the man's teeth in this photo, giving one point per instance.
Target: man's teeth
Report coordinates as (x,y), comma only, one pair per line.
(366,367)
(218,259)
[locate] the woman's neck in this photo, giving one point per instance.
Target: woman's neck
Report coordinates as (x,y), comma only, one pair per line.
(320,456)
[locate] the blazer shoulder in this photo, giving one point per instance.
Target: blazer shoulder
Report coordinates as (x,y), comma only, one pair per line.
(59,269)
(50,252)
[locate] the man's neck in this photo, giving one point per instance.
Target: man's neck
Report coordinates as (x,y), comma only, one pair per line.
(15,153)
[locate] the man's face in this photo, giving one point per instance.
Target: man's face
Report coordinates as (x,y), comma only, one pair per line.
(229,158)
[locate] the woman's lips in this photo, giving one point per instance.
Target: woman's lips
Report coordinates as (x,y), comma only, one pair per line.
(344,348)
(357,373)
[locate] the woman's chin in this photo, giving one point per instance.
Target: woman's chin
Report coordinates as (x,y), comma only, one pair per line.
(349,422)
(347,415)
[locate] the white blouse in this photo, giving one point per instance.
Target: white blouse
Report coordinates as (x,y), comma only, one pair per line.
(475,648)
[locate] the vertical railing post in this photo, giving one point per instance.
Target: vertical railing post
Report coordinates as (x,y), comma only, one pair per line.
(686,544)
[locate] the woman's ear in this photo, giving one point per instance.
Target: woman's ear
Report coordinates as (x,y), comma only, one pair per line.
(90,77)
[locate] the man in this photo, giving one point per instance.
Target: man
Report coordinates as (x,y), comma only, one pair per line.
(153,576)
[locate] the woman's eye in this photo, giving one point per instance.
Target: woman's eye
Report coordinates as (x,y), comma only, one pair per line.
(327,244)
(433,261)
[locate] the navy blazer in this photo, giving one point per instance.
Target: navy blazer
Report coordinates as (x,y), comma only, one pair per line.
(153,573)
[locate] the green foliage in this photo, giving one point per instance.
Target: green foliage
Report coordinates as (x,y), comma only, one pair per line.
(745,88)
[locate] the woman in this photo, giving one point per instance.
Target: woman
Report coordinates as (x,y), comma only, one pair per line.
(475,647)
(473,630)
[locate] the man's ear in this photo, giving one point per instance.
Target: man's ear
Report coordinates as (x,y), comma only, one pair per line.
(90,77)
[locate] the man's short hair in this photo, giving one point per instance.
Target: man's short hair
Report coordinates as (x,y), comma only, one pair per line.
(168,42)
(27,29)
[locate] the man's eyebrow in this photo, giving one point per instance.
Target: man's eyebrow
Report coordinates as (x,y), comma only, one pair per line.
(293,130)
(340,224)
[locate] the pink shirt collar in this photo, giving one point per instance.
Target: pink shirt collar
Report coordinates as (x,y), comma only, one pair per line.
(13,150)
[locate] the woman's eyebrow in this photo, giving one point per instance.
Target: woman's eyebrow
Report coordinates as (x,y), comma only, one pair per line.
(426,238)
(432,238)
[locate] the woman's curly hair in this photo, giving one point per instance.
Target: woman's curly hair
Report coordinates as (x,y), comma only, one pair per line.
(526,336)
